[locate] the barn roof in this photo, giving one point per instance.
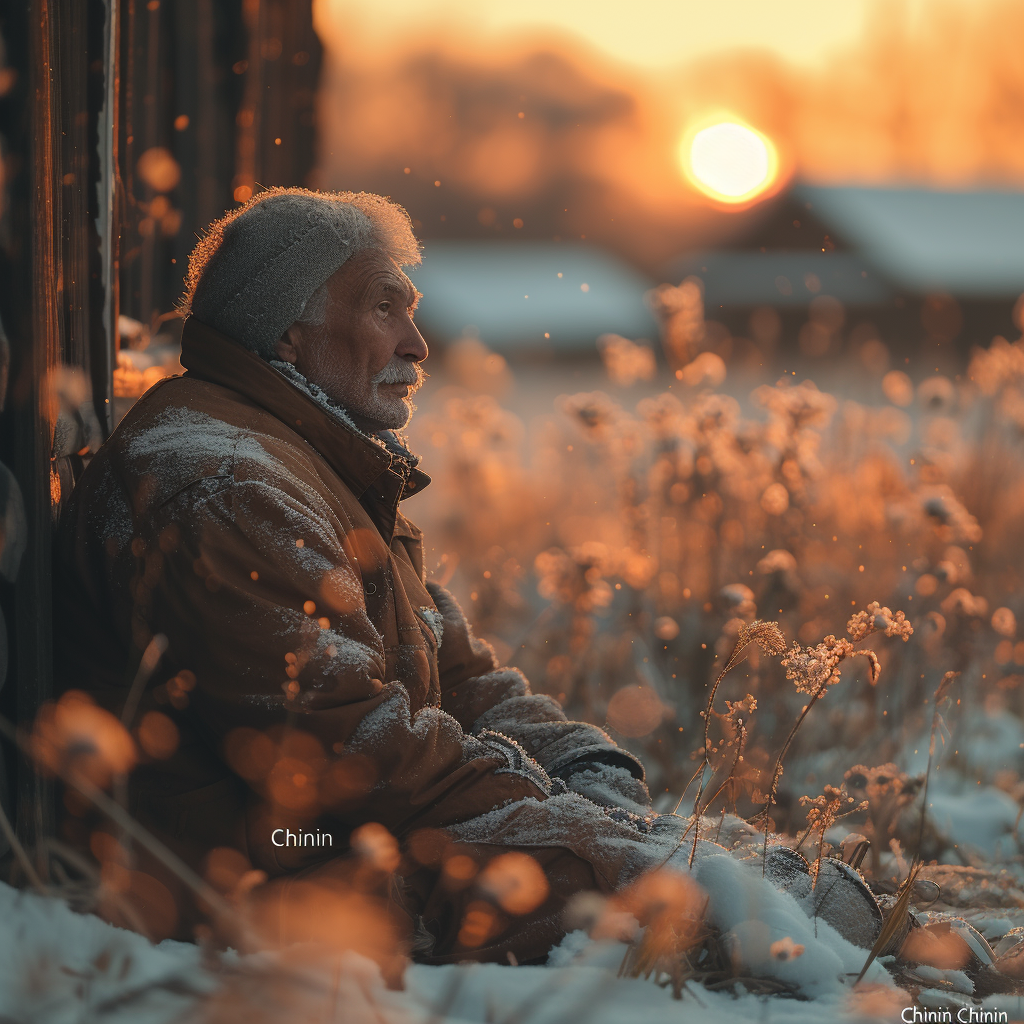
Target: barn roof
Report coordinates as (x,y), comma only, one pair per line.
(970,244)
(746,278)
(512,294)
(881,242)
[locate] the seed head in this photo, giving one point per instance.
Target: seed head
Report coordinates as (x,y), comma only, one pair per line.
(876,618)
(766,635)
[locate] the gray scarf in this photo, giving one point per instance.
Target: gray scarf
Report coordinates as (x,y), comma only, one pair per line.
(390,440)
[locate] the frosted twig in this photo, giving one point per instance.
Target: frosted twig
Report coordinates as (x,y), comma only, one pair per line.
(769,638)
(940,692)
(777,770)
(147,666)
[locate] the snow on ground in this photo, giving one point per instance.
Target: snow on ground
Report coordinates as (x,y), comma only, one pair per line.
(591,992)
(754,915)
(59,967)
(977,819)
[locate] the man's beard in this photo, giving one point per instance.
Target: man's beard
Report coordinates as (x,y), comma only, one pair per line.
(365,401)
(392,412)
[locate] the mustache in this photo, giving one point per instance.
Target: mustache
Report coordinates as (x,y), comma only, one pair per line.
(401,371)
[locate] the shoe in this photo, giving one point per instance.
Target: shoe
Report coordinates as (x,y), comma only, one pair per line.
(840,896)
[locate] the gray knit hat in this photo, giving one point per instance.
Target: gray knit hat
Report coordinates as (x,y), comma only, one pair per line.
(255,269)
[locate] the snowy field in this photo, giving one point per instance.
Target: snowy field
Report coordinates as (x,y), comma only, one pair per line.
(786,962)
(59,967)
(617,544)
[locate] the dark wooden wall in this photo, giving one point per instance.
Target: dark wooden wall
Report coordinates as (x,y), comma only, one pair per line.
(126,126)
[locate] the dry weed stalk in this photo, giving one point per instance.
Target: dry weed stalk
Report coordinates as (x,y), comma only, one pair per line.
(124,821)
(822,813)
(737,715)
(22,857)
(297,981)
(941,693)
(813,670)
(769,638)
(895,922)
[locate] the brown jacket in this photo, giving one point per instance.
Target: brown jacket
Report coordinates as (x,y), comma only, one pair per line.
(315,682)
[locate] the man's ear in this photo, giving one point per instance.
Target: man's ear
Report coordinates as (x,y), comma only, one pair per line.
(288,345)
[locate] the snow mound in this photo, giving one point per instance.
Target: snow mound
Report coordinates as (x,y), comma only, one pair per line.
(59,967)
(756,918)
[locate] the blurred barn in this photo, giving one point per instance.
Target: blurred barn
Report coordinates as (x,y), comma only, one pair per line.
(814,272)
(933,272)
(530,299)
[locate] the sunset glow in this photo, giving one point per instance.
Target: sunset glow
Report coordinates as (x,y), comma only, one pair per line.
(660,34)
(729,162)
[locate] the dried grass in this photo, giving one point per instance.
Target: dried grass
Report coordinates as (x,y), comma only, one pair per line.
(896,922)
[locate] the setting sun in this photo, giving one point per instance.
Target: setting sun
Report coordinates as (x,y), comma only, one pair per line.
(729,162)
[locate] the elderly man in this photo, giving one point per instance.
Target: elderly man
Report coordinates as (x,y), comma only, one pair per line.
(246,515)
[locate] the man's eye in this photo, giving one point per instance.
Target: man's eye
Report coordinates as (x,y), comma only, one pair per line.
(383,307)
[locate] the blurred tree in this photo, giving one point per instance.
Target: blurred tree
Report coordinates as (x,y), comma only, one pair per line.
(216,100)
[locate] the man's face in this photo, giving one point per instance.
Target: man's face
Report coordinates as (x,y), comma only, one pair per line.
(366,356)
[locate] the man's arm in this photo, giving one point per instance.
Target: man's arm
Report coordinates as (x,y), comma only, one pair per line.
(482,696)
(233,597)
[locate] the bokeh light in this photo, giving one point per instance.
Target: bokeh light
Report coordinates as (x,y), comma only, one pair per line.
(729,162)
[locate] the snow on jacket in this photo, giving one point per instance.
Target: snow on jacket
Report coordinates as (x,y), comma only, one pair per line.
(316,680)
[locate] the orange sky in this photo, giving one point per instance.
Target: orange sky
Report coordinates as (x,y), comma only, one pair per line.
(871,90)
(567,116)
(649,34)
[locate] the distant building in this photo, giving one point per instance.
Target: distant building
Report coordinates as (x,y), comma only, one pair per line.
(926,266)
(530,297)
(967,244)
(926,270)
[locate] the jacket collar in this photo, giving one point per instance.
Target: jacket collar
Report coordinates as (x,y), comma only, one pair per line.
(377,477)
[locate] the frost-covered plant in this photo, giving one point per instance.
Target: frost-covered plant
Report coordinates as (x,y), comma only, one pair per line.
(813,670)
(769,639)
(823,812)
(631,542)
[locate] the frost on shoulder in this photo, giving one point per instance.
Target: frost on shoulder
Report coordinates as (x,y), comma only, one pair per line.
(188,445)
(173,465)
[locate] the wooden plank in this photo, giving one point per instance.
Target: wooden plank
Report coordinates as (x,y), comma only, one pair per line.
(72,231)
(105,256)
(34,420)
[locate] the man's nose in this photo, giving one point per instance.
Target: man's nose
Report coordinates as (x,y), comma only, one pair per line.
(412,346)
